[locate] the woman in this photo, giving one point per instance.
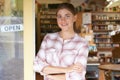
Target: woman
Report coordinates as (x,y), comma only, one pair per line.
(63,55)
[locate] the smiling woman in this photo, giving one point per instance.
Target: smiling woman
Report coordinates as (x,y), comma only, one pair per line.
(63,54)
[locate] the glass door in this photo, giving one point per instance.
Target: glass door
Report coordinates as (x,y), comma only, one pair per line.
(11,40)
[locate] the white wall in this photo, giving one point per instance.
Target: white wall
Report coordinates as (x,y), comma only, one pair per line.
(51,1)
(76,2)
(114,4)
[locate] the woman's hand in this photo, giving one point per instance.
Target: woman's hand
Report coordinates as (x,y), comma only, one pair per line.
(75,67)
(57,77)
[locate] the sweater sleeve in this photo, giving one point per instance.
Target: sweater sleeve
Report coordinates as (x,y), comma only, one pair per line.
(82,59)
(40,61)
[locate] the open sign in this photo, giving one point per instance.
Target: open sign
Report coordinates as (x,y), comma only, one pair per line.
(11,28)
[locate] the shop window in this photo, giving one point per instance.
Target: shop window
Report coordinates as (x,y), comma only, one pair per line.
(11,40)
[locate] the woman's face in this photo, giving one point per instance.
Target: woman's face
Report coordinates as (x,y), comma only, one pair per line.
(65,19)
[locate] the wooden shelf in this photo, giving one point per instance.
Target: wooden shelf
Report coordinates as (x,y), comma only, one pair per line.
(103,42)
(48,23)
(103,37)
(103,12)
(102,30)
(104,49)
(111,20)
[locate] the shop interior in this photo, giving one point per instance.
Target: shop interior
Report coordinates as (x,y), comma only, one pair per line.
(97,18)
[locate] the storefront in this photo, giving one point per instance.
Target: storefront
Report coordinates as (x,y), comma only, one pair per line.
(18,41)
(101,17)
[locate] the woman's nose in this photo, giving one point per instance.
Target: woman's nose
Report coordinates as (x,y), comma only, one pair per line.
(63,19)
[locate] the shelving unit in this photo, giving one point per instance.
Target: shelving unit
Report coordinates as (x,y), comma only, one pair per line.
(103,23)
(46,23)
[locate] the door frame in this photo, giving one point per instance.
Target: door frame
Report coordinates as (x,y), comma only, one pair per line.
(29,38)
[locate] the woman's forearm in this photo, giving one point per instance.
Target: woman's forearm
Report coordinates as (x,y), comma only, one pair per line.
(54,70)
(57,77)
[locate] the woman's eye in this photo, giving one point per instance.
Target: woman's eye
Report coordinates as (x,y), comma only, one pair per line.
(58,16)
(68,16)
